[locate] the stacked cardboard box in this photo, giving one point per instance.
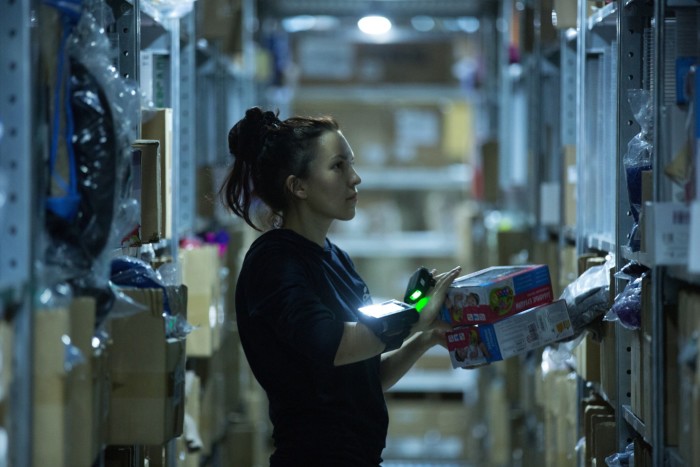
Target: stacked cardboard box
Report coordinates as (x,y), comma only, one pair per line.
(64,431)
(201,269)
(147,371)
(501,312)
(689,377)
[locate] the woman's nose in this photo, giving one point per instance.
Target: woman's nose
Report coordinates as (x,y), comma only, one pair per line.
(355,179)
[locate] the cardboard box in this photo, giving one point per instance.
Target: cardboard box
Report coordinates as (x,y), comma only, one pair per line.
(6,346)
(147,180)
(62,422)
(158,125)
(148,374)
(587,355)
(425,428)
(495,293)
(200,273)
(475,345)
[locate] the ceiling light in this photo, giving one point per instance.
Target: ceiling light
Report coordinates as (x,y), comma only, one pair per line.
(423,23)
(299,23)
(374,25)
(468,24)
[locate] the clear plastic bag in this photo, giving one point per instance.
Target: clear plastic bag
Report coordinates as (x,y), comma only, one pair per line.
(103,110)
(639,156)
(588,296)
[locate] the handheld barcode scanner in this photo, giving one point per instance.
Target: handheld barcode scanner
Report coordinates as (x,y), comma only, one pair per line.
(418,287)
(391,320)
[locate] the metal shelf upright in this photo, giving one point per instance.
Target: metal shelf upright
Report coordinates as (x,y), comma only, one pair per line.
(19,148)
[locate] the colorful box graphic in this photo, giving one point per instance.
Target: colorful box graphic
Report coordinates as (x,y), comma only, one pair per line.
(471,346)
(495,293)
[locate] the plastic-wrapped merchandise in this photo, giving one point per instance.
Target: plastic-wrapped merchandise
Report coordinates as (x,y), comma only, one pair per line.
(161,9)
(588,296)
(99,110)
(622,459)
(133,272)
(639,156)
(627,307)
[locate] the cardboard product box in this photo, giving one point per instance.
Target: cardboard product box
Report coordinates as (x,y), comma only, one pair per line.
(688,376)
(201,269)
(6,346)
(62,411)
(101,394)
(147,371)
(590,413)
(608,361)
(603,442)
(471,346)
(672,378)
(587,355)
(495,293)
(158,125)
(147,178)
(428,428)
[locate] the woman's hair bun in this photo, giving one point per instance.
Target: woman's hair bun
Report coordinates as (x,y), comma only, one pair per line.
(247,137)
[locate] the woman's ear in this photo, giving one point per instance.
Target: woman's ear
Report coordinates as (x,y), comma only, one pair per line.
(296,187)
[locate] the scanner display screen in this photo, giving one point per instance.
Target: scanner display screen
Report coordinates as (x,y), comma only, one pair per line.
(382,309)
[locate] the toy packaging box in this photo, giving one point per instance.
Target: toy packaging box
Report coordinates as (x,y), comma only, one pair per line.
(495,293)
(471,346)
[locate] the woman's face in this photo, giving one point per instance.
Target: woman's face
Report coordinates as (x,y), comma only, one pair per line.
(331,185)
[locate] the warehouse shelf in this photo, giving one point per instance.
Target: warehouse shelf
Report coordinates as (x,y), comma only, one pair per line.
(381,93)
(449,178)
(399,245)
(604,16)
(637,425)
(435,381)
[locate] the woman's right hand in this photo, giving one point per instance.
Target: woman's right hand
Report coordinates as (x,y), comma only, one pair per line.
(429,316)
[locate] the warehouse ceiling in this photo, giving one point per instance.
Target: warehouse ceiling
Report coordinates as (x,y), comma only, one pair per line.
(392,8)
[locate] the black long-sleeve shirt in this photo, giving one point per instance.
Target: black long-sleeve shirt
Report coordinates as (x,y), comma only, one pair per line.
(292,298)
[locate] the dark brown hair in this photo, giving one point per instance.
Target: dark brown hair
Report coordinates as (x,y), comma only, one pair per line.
(267,150)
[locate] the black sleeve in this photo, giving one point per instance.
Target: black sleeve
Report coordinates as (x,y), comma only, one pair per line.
(281,294)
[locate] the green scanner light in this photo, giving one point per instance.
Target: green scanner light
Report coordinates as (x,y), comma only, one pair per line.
(421,303)
(415,295)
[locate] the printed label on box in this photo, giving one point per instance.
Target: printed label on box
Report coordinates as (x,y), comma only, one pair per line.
(671,224)
(471,346)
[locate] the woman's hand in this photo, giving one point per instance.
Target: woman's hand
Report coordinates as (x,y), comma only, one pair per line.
(429,319)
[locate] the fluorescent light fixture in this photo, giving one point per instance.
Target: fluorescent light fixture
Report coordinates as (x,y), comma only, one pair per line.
(302,23)
(468,24)
(299,23)
(422,23)
(374,25)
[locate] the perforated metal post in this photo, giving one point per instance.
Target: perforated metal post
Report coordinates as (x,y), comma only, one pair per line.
(19,148)
(188,170)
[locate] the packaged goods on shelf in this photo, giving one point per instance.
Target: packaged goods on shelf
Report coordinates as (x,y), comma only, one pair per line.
(147,180)
(147,370)
(495,293)
(471,346)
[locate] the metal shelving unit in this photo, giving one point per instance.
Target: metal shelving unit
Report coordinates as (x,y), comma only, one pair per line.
(613,51)
(19,148)
(16,147)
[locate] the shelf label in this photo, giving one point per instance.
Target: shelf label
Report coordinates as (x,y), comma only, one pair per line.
(694,238)
(671,224)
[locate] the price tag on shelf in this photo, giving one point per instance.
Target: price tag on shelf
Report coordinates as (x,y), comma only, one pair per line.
(694,238)
(671,228)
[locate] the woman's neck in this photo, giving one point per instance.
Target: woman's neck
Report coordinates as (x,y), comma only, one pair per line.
(311,229)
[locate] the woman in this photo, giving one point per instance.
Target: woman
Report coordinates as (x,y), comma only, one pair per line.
(297,295)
